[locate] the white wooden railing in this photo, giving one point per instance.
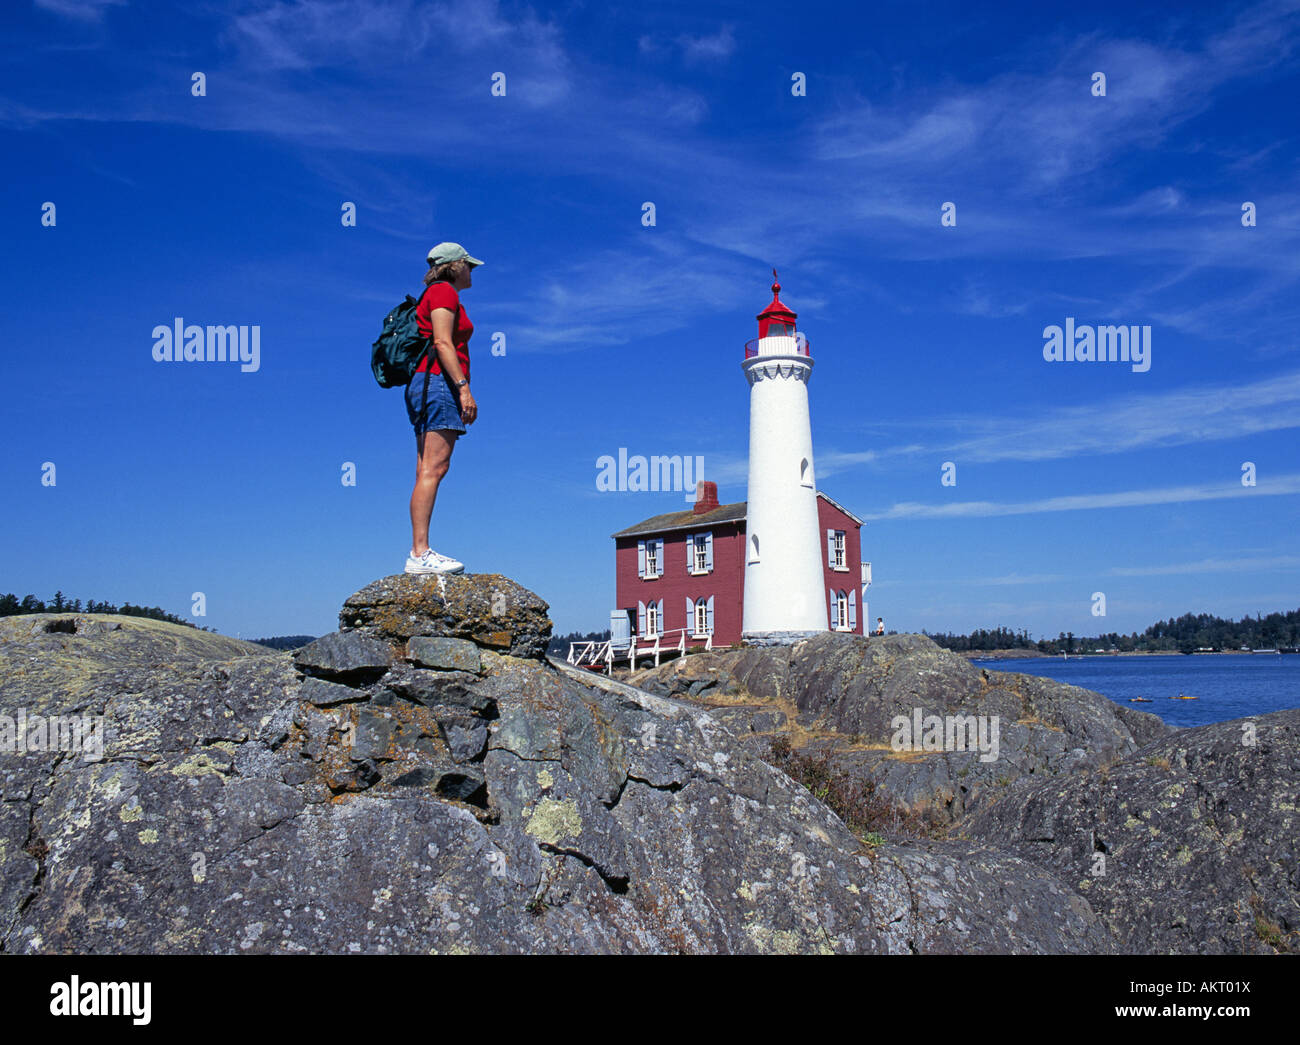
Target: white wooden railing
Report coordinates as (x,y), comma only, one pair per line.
(606,651)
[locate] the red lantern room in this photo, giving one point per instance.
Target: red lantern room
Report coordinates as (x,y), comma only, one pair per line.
(777,322)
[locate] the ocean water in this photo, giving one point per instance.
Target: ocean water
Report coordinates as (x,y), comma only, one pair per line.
(1229,685)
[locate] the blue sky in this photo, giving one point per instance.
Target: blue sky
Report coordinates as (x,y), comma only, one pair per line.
(1072,478)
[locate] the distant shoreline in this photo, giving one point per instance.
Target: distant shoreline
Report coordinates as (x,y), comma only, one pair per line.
(1027,654)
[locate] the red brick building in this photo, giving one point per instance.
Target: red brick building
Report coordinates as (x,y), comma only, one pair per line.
(686,570)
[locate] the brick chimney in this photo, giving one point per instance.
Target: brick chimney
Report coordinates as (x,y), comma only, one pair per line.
(706,497)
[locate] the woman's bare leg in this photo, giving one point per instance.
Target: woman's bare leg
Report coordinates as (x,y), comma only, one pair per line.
(430,466)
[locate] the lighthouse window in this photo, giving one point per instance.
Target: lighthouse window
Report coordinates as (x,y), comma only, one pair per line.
(753,548)
(805,473)
(779,330)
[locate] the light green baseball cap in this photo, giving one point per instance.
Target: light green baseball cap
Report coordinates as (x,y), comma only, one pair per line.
(445,253)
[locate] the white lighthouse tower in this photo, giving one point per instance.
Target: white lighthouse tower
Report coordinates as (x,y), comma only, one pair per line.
(784,600)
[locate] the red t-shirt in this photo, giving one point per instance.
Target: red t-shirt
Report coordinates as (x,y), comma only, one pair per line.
(443,295)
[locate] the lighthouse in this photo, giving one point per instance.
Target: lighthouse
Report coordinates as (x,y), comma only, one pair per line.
(783,599)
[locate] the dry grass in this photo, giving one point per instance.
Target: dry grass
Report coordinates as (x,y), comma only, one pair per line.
(1034,720)
(868,813)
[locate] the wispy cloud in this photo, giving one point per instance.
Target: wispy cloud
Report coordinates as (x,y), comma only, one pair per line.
(1016,578)
(607,298)
(356,34)
(585,114)
(708,48)
(1254,564)
(694,48)
(1195,414)
(81,10)
(1280,485)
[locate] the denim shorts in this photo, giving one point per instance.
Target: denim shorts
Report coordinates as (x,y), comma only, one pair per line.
(441,413)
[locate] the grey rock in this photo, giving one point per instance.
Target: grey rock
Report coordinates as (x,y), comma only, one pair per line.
(747,718)
(328,694)
(342,655)
(373,738)
(447,654)
(466,737)
(847,690)
(1189,846)
(441,688)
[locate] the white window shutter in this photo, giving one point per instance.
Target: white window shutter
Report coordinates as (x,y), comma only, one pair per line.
(853,610)
(830,547)
(640,559)
(690,552)
(709,611)
(708,552)
(690,613)
(835,611)
(640,618)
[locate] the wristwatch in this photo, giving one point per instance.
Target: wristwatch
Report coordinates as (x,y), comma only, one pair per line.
(462,382)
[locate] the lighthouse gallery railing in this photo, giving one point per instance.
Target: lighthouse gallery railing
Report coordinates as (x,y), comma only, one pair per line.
(777,345)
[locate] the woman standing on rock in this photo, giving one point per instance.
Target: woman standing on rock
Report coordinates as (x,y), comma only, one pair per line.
(438,400)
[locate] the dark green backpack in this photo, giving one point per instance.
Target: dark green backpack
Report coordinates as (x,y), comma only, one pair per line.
(400,347)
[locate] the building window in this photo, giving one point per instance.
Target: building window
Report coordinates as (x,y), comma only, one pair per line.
(649,619)
(649,558)
(844,610)
(837,555)
(699,553)
(699,617)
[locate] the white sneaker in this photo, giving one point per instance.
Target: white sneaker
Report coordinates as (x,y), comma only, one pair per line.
(432,562)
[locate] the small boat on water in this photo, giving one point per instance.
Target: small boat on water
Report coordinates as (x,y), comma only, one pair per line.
(1139,700)
(1182,696)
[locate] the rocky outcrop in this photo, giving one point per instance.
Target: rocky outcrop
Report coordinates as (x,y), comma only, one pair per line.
(60,664)
(424,781)
(1192,845)
(840,694)
(488,609)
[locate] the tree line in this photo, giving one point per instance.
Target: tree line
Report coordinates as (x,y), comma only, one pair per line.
(12,606)
(1185,634)
(285,641)
(559,644)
